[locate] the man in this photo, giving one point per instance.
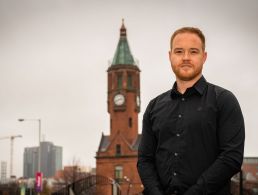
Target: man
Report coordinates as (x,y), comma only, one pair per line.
(193,135)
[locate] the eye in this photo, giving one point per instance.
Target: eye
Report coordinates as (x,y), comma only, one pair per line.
(178,51)
(194,51)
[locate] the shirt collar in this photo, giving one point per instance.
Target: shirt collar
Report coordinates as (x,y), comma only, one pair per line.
(199,87)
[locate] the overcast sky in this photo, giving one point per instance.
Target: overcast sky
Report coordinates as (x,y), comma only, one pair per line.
(54,55)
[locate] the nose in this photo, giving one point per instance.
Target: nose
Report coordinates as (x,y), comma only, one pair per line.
(186,55)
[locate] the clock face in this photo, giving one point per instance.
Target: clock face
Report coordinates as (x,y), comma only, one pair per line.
(119,99)
(138,100)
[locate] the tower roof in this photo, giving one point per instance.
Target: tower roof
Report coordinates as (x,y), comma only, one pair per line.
(123,54)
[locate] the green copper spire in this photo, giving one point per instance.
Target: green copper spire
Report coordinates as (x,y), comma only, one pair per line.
(123,54)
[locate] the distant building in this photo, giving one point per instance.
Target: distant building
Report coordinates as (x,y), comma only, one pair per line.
(249,178)
(50,160)
(3,171)
(30,162)
(250,168)
(73,173)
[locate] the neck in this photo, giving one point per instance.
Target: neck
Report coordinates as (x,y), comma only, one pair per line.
(183,85)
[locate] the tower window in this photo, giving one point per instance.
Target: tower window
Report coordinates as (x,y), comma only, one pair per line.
(119,81)
(129,81)
(130,122)
(118,173)
(118,150)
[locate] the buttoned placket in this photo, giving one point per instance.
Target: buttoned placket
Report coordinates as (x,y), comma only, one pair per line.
(176,153)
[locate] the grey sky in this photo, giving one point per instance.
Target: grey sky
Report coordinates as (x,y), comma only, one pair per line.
(54,55)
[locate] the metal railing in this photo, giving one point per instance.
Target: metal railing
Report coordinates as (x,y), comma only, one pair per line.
(87,186)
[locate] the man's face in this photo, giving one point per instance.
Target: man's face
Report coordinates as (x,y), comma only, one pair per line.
(187,56)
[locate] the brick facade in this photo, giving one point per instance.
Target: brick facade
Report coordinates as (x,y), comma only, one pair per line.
(250,168)
(116,157)
(249,178)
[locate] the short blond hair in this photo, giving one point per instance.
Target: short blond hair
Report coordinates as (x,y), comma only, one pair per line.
(193,30)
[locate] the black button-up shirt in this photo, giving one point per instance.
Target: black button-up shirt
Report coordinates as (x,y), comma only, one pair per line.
(192,143)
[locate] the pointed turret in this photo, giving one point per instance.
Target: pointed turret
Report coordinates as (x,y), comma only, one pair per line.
(123,54)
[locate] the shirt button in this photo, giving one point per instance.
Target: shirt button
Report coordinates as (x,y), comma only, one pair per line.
(175,174)
(178,135)
(176,154)
(183,99)
(179,116)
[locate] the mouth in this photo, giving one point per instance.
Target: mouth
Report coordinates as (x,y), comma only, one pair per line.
(186,66)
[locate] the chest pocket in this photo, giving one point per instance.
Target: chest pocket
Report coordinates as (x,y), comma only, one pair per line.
(201,117)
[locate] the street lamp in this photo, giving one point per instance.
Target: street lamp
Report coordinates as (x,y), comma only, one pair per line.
(129,184)
(39,123)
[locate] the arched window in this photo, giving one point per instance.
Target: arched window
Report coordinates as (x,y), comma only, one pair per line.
(118,173)
(119,81)
(129,81)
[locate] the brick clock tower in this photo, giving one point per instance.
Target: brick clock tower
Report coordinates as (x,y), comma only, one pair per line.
(117,153)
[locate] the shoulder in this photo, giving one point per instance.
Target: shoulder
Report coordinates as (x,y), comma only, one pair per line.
(218,90)
(224,96)
(164,97)
(159,100)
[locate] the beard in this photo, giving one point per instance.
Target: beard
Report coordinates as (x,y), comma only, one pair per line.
(188,74)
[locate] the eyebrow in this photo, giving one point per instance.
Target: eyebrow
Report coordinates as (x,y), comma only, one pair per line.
(179,48)
(194,48)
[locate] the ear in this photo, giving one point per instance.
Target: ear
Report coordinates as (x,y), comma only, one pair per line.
(204,56)
(169,55)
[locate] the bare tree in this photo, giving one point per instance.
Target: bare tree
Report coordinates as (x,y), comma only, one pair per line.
(73,172)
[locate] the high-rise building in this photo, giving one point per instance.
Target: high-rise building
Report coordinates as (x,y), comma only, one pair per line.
(117,153)
(3,171)
(50,160)
(30,162)
(57,157)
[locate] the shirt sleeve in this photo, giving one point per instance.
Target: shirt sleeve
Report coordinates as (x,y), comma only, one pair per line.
(146,157)
(230,136)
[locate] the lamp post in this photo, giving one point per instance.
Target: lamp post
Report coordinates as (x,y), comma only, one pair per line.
(129,184)
(39,128)
(241,182)
(116,188)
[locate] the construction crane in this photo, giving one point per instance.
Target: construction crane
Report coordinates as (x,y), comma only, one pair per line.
(11,154)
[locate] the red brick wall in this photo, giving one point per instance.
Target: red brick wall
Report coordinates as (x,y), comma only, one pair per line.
(120,132)
(121,115)
(251,168)
(106,167)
